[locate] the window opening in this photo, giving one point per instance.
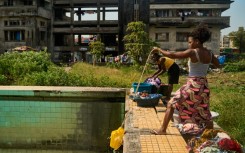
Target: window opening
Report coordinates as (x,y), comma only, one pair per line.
(162,37)
(182,36)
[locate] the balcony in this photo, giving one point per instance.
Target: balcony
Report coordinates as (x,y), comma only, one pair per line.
(66,2)
(83,48)
(191,1)
(87,23)
(224,22)
(90,30)
(17,11)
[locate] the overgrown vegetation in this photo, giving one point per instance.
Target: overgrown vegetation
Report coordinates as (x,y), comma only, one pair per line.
(34,68)
(115,76)
(239,39)
(237,66)
(227,98)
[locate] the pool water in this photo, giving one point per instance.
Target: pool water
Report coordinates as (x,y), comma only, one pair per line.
(65,126)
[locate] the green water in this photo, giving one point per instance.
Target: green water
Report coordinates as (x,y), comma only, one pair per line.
(59,126)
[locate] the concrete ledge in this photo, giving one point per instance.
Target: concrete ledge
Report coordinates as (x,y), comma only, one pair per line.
(64,93)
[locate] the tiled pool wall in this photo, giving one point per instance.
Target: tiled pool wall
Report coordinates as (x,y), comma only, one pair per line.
(64,122)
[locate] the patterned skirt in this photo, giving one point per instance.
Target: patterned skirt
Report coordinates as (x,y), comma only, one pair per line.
(192,101)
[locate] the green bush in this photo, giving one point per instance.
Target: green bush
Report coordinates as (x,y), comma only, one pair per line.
(34,68)
(15,65)
(3,80)
(55,76)
(235,67)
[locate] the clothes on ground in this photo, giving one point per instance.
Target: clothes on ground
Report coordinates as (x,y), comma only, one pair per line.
(213,140)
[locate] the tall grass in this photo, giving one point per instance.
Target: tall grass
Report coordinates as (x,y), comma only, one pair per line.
(227,91)
(104,76)
(227,98)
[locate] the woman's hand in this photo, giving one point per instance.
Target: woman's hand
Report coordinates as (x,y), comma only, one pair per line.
(155,50)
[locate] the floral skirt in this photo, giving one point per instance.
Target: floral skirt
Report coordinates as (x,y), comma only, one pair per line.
(192,101)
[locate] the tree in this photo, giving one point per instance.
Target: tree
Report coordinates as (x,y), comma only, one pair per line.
(239,38)
(97,49)
(137,42)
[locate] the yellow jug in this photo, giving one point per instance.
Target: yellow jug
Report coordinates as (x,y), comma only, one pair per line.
(116,138)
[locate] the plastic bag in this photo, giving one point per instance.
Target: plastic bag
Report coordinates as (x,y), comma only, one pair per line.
(221,59)
(117,138)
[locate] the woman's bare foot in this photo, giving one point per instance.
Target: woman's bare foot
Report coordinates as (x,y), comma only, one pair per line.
(158,132)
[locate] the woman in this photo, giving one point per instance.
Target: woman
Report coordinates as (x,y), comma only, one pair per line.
(166,64)
(192,99)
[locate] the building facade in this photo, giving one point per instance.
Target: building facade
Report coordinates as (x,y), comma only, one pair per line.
(172,20)
(24,23)
(76,23)
(67,27)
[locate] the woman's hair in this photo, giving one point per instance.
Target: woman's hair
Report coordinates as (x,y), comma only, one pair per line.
(155,56)
(201,33)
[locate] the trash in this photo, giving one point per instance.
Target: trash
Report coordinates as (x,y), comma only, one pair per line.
(24,48)
(117,138)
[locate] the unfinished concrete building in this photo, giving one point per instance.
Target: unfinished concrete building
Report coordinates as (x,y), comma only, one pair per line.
(24,23)
(69,26)
(76,23)
(172,20)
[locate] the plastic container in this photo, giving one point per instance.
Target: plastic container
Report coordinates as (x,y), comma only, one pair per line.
(116,138)
(151,101)
(142,87)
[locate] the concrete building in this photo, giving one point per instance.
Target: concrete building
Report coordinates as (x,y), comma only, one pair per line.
(66,27)
(78,22)
(172,20)
(24,23)
(227,42)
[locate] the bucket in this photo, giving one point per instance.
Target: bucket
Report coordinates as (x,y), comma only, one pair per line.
(142,87)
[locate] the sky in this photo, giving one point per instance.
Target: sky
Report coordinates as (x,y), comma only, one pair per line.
(237,16)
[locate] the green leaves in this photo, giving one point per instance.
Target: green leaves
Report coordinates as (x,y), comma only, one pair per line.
(137,42)
(238,66)
(238,38)
(97,49)
(15,65)
(33,68)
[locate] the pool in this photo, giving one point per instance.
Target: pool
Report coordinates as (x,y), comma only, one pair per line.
(59,119)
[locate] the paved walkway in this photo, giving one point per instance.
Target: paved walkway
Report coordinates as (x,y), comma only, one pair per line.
(139,122)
